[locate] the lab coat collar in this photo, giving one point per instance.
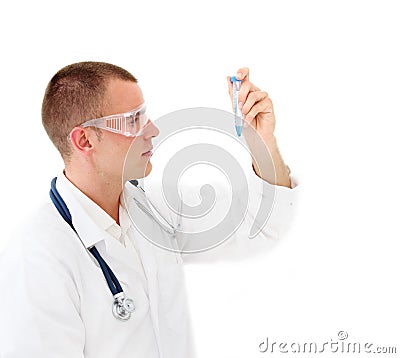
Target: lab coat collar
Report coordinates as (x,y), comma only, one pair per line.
(98,215)
(90,231)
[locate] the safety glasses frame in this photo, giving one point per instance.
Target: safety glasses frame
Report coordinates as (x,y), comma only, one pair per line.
(119,123)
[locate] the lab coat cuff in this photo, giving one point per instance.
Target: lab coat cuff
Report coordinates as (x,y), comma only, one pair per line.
(259,185)
(282,203)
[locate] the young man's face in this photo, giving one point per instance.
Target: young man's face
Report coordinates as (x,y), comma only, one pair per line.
(113,149)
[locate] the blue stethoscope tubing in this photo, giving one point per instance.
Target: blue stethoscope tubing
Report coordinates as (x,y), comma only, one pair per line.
(122,307)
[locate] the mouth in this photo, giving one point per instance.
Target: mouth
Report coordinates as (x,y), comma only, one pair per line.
(149,153)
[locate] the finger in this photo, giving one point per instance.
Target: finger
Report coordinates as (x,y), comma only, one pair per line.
(242,73)
(253,98)
(245,88)
(264,106)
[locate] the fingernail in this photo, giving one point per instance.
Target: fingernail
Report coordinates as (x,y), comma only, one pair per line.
(240,105)
(239,75)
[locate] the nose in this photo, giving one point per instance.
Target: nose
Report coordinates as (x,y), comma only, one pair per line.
(150,130)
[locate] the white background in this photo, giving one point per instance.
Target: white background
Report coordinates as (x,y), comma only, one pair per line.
(332,71)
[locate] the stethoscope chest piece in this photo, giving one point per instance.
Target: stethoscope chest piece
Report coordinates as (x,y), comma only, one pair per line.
(122,307)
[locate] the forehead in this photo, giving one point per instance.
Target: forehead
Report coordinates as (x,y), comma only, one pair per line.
(122,96)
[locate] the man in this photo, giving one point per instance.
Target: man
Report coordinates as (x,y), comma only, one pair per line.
(55,301)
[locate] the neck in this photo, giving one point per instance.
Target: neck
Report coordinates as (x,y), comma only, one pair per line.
(104,192)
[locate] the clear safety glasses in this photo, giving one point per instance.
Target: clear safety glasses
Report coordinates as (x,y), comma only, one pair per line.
(129,124)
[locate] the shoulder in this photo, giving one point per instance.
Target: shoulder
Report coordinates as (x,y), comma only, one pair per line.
(41,238)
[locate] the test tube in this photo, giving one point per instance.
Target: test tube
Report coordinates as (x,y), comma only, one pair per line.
(237,111)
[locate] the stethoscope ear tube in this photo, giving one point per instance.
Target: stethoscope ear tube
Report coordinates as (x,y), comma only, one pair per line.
(122,307)
(59,203)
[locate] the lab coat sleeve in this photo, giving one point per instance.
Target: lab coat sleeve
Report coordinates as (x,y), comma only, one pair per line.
(259,215)
(39,305)
(269,214)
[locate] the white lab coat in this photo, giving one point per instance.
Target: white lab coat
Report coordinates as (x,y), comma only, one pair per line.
(54,300)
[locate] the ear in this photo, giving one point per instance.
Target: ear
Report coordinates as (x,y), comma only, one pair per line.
(81,140)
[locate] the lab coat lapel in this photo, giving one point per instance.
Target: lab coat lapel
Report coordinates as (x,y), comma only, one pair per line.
(122,260)
(142,231)
(124,256)
(150,266)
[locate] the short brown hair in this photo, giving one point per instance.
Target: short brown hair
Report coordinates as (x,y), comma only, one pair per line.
(76,94)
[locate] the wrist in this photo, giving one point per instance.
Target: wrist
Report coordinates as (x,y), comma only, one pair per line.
(270,140)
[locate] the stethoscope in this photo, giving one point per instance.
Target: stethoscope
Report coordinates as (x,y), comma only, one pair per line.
(122,307)
(166,226)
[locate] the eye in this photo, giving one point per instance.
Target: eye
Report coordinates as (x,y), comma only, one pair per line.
(133,119)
